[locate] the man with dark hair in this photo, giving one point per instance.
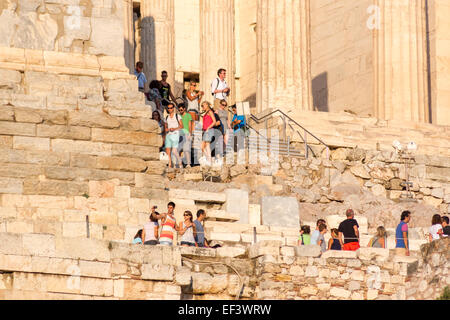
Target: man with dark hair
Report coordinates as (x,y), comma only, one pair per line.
(348,229)
(200,235)
(445,227)
(173,125)
(165,90)
(142,80)
(401,235)
(316,234)
(219,88)
(169,226)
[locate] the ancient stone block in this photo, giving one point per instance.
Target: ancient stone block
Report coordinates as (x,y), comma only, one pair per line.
(196,195)
(81,147)
(97,287)
(17,129)
(63,132)
(121,164)
(231,252)
(10,185)
(339,254)
(157,272)
(27,115)
(83,248)
(11,243)
(93,120)
(340,293)
(54,187)
(280,211)
(133,151)
(254,214)
(237,204)
(126,137)
(308,251)
(39,244)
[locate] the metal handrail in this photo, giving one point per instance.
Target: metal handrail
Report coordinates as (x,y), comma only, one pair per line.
(258,120)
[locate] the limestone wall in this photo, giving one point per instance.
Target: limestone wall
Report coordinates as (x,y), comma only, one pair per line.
(341,56)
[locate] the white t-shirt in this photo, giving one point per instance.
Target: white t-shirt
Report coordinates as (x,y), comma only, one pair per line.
(219,86)
(433,231)
(172,123)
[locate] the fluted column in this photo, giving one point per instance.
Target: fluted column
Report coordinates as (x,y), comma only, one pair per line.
(128,23)
(400,61)
(284,68)
(217,44)
(158,38)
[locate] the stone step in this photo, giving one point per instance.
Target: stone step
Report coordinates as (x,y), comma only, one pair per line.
(201,196)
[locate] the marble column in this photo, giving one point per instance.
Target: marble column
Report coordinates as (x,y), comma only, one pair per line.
(128,27)
(158,38)
(400,61)
(284,68)
(217,44)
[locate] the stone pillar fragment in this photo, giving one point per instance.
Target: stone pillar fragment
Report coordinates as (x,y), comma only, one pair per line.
(284,74)
(217,44)
(129,34)
(158,38)
(401,61)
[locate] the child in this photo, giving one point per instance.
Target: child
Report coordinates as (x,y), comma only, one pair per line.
(321,239)
(305,237)
(334,243)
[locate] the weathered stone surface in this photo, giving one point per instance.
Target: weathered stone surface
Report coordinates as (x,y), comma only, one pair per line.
(126,137)
(31,143)
(16,128)
(39,245)
(81,147)
(157,272)
(201,196)
(360,171)
(308,251)
(280,211)
(342,191)
(93,120)
(121,164)
(63,132)
(339,254)
(379,254)
(237,204)
(133,151)
(23,115)
(54,187)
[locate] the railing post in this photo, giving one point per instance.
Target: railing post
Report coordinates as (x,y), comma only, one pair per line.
(288,146)
(306,144)
(284,128)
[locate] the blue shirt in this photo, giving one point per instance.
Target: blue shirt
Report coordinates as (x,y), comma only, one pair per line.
(200,236)
(315,237)
(238,127)
(142,80)
(402,227)
(137,240)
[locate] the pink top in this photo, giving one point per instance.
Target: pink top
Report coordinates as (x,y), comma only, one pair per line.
(206,121)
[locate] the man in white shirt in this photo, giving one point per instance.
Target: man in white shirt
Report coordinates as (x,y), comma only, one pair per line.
(219,88)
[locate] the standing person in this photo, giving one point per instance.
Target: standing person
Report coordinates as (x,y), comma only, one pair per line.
(316,233)
(173,125)
(445,227)
(157,117)
(217,144)
(186,134)
(200,234)
(225,119)
(305,236)
(194,98)
(238,125)
(401,235)
(154,95)
(334,243)
(187,230)
(138,237)
(436,228)
(209,121)
(169,226)
(349,230)
(140,76)
(321,239)
(165,90)
(150,231)
(379,240)
(219,88)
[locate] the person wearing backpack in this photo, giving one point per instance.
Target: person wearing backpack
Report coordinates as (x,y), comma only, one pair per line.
(219,88)
(209,121)
(173,125)
(217,144)
(379,240)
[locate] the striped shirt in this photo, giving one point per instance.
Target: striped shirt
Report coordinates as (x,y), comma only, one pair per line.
(168,229)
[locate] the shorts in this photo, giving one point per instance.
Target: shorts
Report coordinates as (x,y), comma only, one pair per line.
(208,135)
(151,242)
(351,246)
(166,243)
(190,244)
(172,140)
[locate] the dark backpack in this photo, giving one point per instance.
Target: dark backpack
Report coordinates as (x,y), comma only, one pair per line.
(220,126)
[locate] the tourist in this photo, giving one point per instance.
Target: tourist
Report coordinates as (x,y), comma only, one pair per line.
(445,227)
(305,236)
(150,232)
(209,121)
(334,243)
(169,226)
(219,88)
(186,134)
(379,240)
(217,143)
(194,98)
(401,235)
(436,228)
(225,119)
(154,95)
(348,229)
(187,230)
(140,76)
(138,237)
(157,117)
(321,239)
(316,234)
(238,125)
(165,90)
(200,234)
(173,125)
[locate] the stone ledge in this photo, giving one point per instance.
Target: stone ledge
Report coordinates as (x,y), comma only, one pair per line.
(308,251)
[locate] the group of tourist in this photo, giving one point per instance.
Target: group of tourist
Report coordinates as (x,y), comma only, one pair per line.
(219,127)
(162,227)
(346,237)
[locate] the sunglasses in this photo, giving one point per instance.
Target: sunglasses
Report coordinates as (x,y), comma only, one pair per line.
(223,105)
(187,215)
(170,108)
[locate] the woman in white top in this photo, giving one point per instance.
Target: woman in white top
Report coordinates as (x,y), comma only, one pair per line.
(436,228)
(187,230)
(173,125)
(150,231)
(194,98)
